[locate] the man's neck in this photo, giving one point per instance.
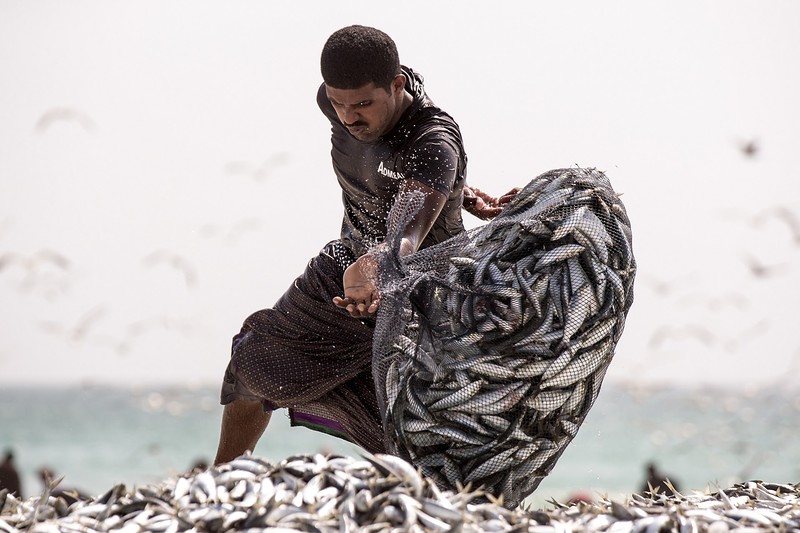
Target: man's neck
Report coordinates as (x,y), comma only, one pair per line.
(407,100)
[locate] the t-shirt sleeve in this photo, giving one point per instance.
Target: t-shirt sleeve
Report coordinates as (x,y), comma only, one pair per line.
(433,161)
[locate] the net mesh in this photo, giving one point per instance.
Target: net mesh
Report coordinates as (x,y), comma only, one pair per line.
(490,348)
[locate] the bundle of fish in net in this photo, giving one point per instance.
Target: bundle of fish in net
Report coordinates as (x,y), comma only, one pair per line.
(490,348)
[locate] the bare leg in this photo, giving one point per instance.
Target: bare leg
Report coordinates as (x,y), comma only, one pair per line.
(243,423)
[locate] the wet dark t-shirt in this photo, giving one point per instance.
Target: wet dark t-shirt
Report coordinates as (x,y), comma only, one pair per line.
(424,146)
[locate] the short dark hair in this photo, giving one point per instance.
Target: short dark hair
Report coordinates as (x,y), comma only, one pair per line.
(357,55)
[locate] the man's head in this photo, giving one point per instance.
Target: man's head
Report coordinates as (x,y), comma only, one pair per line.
(361,70)
(357,55)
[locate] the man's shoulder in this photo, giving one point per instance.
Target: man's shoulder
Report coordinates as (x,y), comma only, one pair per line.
(428,119)
(429,124)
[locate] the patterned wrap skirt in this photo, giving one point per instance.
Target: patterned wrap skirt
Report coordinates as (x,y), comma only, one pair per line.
(309,356)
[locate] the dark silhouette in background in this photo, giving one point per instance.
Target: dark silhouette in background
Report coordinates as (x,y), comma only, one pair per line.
(69,494)
(9,476)
(658,482)
(199,465)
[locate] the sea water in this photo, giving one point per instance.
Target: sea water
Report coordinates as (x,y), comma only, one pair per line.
(97,437)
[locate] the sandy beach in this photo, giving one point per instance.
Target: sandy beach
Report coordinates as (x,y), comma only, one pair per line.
(328,493)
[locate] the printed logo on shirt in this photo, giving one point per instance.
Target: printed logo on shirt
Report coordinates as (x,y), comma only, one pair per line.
(389,173)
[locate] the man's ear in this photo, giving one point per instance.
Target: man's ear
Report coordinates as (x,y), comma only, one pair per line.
(399,82)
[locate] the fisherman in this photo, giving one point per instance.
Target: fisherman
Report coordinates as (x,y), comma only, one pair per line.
(311,352)
(657,481)
(58,489)
(9,475)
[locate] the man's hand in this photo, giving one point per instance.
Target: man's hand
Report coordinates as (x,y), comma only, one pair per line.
(484,206)
(361,297)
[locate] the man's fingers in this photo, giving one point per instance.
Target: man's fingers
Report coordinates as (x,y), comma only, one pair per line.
(368,308)
(357,309)
(484,206)
(510,195)
(338,301)
(488,213)
(489,199)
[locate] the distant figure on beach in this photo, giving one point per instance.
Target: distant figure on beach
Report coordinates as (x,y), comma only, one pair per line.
(198,466)
(69,494)
(657,480)
(9,475)
(579,497)
(312,351)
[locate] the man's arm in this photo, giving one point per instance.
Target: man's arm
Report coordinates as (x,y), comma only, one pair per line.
(419,226)
(361,295)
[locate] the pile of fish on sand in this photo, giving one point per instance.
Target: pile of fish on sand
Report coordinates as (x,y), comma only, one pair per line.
(331,493)
(491,347)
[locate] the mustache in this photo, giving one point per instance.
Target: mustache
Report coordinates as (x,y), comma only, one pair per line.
(356,124)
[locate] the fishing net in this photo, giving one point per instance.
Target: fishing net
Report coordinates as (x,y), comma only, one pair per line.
(490,348)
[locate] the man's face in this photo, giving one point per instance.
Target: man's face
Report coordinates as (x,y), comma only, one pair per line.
(369,111)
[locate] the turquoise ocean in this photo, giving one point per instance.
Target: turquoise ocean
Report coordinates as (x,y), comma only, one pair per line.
(97,437)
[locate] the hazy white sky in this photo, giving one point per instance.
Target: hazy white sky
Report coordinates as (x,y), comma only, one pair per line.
(164,169)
